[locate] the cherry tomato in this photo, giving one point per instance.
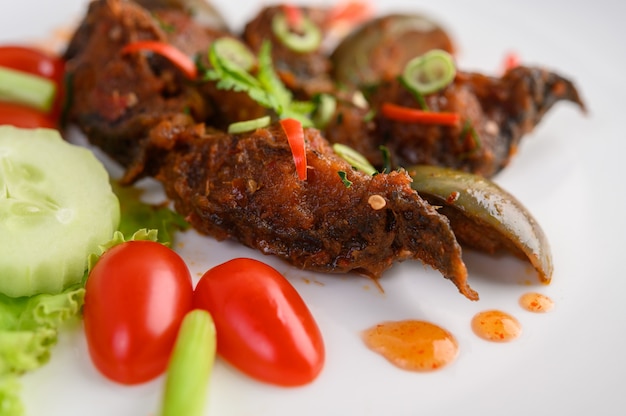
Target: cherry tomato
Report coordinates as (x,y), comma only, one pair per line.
(24,117)
(263,326)
(37,62)
(135,299)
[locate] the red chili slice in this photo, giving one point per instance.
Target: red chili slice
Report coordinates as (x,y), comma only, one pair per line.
(413,115)
(174,55)
(295,136)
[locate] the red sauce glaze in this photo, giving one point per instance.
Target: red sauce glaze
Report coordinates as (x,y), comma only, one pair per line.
(412,345)
(496,326)
(536,302)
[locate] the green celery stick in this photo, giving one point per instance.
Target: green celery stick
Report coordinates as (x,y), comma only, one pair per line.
(189,369)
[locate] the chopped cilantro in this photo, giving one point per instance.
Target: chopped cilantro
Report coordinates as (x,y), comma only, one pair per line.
(344,178)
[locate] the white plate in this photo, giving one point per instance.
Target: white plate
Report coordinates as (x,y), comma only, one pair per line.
(568,361)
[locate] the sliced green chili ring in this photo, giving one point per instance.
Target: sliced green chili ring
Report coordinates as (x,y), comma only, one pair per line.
(354,158)
(419,97)
(249,125)
(233,53)
(307,38)
(30,90)
(430,72)
(326,106)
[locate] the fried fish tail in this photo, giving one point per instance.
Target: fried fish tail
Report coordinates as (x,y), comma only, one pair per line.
(533,91)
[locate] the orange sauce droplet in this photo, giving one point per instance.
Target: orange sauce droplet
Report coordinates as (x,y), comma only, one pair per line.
(412,345)
(536,302)
(496,326)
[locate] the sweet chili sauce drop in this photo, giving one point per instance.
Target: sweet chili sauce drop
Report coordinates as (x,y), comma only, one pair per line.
(412,345)
(496,326)
(536,302)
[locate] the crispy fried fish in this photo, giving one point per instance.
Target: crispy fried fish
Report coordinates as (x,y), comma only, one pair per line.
(245,187)
(495,114)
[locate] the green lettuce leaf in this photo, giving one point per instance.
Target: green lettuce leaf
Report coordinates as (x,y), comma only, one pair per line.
(136,214)
(10,403)
(28,332)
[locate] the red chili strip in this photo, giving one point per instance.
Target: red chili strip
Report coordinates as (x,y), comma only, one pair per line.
(295,136)
(293,14)
(174,55)
(511,60)
(351,12)
(413,115)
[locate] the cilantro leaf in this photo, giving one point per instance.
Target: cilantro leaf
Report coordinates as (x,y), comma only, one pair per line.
(265,86)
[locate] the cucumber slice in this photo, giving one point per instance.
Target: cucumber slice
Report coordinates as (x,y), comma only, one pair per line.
(56,207)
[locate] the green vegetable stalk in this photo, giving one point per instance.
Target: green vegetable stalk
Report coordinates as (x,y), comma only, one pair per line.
(190,366)
(26,89)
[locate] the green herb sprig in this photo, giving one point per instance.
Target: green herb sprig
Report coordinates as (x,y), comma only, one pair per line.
(264,86)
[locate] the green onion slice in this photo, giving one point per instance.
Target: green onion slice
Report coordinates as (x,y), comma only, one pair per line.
(306,38)
(26,89)
(233,54)
(354,158)
(249,125)
(326,106)
(430,72)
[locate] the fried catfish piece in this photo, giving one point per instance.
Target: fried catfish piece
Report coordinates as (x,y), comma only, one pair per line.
(306,73)
(116,98)
(245,187)
(495,114)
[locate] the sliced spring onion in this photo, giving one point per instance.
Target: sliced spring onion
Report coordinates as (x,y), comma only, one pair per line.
(183,62)
(26,89)
(326,106)
(249,125)
(354,158)
(189,369)
(307,37)
(429,72)
(413,115)
(233,53)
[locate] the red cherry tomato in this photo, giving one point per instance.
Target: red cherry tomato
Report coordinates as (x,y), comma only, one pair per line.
(24,117)
(37,62)
(263,326)
(135,299)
